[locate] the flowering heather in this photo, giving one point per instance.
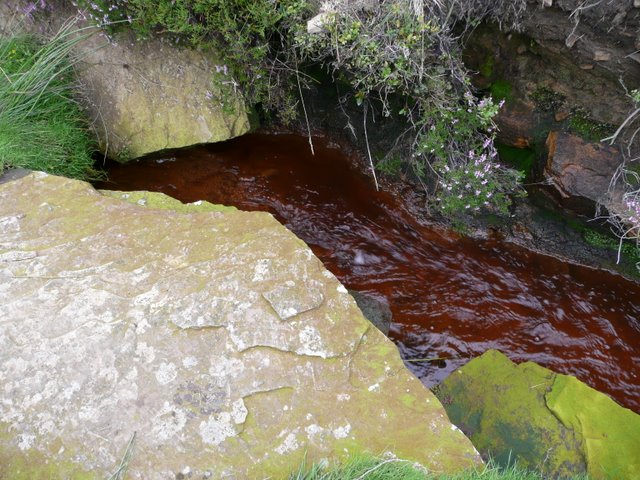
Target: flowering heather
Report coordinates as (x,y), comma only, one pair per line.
(631,203)
(103,12)
(471,181)
(32,7)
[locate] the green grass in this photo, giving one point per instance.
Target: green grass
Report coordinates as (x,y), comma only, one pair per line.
(41,126)
(372,468)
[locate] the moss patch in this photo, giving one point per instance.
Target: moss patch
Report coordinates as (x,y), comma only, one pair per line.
(541,420)
(501,90)
(486,68)
(546,99)
(506,417)
(583,125)
(609,432)
(160,201)
(522,159)
(16,464)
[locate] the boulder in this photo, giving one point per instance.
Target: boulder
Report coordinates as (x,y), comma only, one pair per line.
(143,95)
(188,341)
(150,95)
(577,168)
(374,309)
(540,419)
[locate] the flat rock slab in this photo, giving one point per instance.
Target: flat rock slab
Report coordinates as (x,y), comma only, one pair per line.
(542,420)
(191,341)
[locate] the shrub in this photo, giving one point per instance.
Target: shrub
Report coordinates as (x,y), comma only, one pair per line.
(391,49)
(390,54)
(41,126)
(624,188)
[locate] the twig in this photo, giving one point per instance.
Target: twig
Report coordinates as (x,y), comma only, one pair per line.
(433,359)
(121,471)
(304,108)
(366,139)
(629,119)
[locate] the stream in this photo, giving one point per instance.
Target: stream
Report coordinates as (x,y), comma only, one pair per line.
(452,298)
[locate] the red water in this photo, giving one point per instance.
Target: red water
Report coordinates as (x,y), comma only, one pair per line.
(451,298)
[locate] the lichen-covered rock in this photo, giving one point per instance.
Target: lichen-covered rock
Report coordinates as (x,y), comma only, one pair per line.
(530,415)
(150,95)
(191,341)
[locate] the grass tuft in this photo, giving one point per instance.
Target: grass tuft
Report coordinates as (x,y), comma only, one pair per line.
(41,125)
(374,468)
(364,467)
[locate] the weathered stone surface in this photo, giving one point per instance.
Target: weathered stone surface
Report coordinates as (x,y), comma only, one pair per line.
(543,420)
(517,124)
(571,55)
(580,169)
(178,325)
(149,95)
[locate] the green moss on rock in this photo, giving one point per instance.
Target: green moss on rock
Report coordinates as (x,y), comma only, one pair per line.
(542,420)
(522,159)
(501,90)
(160,201)
(17,464)
(610,434)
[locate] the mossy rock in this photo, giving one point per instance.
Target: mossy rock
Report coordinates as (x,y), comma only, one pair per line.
(149,95)
(160,201)
(542,420)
